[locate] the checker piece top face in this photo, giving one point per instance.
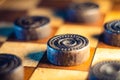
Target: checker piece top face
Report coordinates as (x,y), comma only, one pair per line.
(113,26)
(107,70)
(112,33)
(32,27)
(31,22)
(68,42)
(87,12)
(8,62)
(68,49)
(85,6)
(10,67)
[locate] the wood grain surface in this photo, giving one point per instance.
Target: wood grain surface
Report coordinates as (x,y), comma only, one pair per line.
(33,53)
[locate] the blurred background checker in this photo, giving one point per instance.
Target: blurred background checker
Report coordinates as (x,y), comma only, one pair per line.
(68,49)
(32,28)
(86,12)
(10,67)
(112,33)
(106,70)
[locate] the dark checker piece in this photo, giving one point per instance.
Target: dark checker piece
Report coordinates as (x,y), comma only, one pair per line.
(84,12)
(10,67)
(32,27)
(68,49)
(107,70)
(112,33)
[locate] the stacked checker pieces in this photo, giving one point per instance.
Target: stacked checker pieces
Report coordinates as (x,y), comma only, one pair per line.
(44,65)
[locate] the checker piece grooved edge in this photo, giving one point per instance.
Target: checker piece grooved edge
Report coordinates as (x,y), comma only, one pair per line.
(68,49)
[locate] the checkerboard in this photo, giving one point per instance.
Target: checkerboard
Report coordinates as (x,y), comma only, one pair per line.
(33,53)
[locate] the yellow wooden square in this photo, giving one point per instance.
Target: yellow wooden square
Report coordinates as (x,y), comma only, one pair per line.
(104,5)
(57,74)
(55,21)
(113,15)
(88,31)
(30,53)
(103,54)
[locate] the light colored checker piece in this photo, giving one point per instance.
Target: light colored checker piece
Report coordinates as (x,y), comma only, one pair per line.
(113,15)
(57,74)
(87,31)
(54,20)
(6,29)
(29,53)
(103,54)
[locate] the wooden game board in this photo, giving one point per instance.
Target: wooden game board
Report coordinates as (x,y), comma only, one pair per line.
(33,53)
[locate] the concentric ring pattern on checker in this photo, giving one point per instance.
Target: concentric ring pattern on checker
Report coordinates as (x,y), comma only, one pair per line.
(10,67)
(106,70)
(68,42)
